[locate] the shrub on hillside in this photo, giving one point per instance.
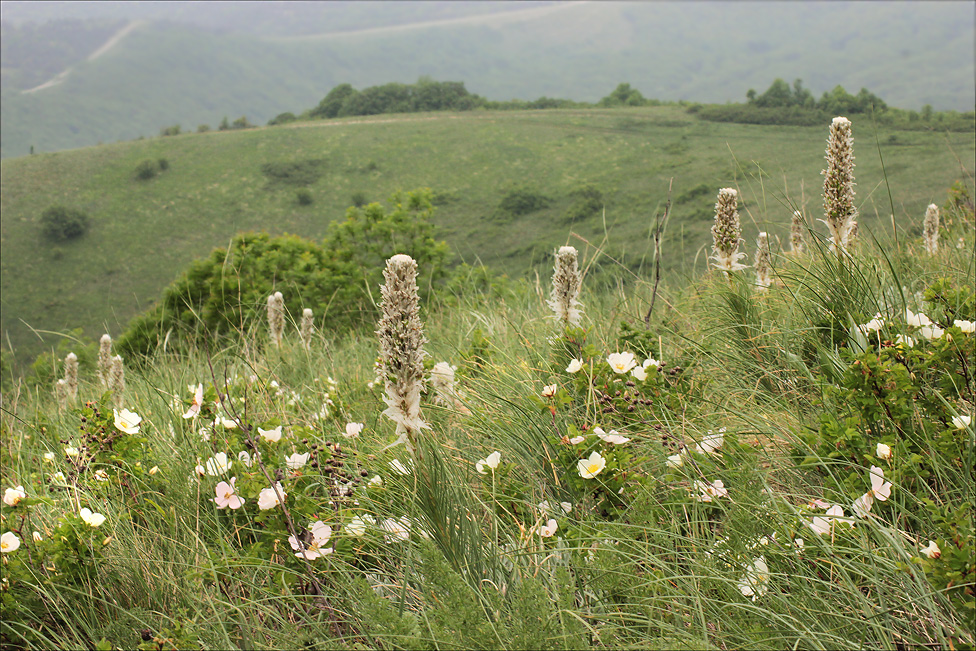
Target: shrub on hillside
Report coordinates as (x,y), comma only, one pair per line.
(300,172)
(587,201)
(282,118)
(242,123)
(146,170)
(304,197)
(170,131)
(60,223)
(163,164)
(225,293)
(522,201)
(203,128)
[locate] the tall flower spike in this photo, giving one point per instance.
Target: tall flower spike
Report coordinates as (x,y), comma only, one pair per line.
(726,233)
(402,340)
(306,328)
(566,283)
(796,233)
(104,360)
(276,317)
(61,391)
(931,229)
(117,380)
(838,195)
(71,377)
(762,263)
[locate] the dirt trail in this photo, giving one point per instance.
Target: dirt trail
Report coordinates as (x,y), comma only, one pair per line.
(514,16)
(113,40)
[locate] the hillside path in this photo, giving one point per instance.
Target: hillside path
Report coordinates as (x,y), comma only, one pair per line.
(112,41)
(514,16)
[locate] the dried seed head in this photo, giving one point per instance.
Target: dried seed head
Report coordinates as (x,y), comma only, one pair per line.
(762,263)
(566,284)
(726,232)
(276,317)
(840,213)
(306,328)
(930,233)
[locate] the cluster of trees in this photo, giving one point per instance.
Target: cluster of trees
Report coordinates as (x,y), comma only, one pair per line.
(837,102)
(425,95)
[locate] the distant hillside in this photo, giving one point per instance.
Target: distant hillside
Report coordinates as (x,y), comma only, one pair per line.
(510,187)
(910,54)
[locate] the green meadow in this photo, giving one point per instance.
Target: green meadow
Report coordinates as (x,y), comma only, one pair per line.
(144,232)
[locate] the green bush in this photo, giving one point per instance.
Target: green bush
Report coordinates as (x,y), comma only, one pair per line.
(304,197)
(226,293)
(242,123)
(301,172)
(359,199)
(163,164)
(282,118)
(170,131)
(60,223)
(203,128)
(522,201)
(587,201)
(146,170)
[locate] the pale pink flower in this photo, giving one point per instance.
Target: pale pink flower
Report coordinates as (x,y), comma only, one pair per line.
(227,497)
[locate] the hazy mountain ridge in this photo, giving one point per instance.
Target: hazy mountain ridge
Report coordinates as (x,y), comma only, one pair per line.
(910,54)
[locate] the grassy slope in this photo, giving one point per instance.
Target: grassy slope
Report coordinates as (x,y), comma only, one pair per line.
(909,54)
(144,233)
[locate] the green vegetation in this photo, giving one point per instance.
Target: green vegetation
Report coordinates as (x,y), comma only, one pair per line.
(60,223)
(148,232)
(787,467)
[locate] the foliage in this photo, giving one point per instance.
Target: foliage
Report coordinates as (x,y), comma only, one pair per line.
(522,200)
(60,223)
(425,95)
(587,201)
(146,170)
(304,197)
(225,293)
(282,118)
(624,95)
(300,172)
(170,131)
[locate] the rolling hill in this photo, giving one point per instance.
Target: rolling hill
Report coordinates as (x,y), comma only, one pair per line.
(144,232)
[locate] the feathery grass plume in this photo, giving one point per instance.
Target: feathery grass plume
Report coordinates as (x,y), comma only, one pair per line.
(276,317)
(117,380)
(763,263)
(71,376)
(566,283)
(306,328)
(61,391)
(839,210)
(797,243)
(402,340)
(931,229)
(104,360)
(726,232)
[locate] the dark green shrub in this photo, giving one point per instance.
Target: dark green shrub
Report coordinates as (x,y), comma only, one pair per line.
(203,128)
(59,223)
(587,201)
(523,200)
(170,131)
(331,104)
(163,164)
(282,118)
(224,124)
(242,123)
(302,172)
(304,197)
(359,199)
(146,170)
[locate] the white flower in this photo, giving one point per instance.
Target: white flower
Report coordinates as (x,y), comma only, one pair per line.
(491,462)
(874,325)
(9,542)
(320,534)
(13,496)
(961,422)
(708,491)
(968,327)
(756,581)
(649,362)
(574,366)
(194,409)
(268,498)
(376,481)
(862,505)
(591,467)
(71,452)
(906,340)
(48,457)
(549,390)
(399,467)
(883,451)
(218,464)
(396,530)
(566,506)
(296,461)
(91,519)
(932,550)
(58,478)
(353,430)
(612,437)
(576,440)
(101,475)
(271,435)
(880,488)
(621,362)
(548,529)
(639,373)
(245,458)
(918,320)
(227,495)
(711,442)
(675,461)
(127,421)
(357,526)
(931,332)
(37,536)
(224,422)
(822,526)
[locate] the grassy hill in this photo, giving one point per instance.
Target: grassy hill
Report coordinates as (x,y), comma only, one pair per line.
(910,54)
(145,232)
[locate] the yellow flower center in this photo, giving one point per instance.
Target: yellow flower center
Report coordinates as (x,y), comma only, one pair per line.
(4,545)
(593,468)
